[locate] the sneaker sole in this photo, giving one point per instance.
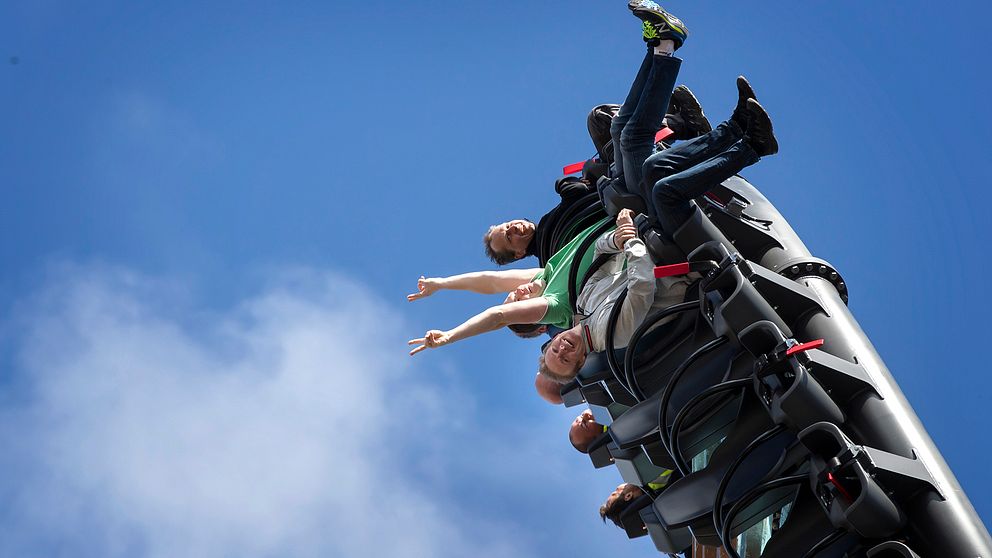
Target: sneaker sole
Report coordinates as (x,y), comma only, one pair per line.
(654,16)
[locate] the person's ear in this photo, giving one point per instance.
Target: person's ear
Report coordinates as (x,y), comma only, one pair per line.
(542,329)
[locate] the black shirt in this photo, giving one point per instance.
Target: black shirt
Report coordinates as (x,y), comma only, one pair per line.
(579,208)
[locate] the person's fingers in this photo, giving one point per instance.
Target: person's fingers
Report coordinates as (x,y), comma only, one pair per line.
(416,341)
(418,349)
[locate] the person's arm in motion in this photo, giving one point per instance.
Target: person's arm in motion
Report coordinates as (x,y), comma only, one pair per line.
(640,280)
(521,312)
(611,242)
(482,282)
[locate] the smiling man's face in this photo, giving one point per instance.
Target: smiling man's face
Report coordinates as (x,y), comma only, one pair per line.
(566,353)
(512,237)
(584,430)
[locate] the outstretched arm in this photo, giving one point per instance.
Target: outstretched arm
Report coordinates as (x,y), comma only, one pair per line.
(482,282)
(522,312)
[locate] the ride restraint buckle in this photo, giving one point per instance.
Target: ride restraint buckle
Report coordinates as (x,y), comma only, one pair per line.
(684,268)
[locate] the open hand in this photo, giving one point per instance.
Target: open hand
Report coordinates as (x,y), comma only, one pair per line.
(431,340)
(425,287)
(625,228)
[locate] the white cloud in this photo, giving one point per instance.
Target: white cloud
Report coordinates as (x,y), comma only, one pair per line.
(139,425)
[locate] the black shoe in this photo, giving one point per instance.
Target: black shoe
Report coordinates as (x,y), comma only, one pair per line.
(744,92)
(687,115)
(759,134)
(658,24)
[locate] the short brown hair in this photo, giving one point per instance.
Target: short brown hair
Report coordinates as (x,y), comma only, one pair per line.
(499,258)
(526,331)
(619,505)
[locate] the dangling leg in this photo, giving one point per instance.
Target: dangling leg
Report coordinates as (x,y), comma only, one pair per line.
(637,137)
(627,109)
(687,154)
(671,195)
(644,109)
(699,149)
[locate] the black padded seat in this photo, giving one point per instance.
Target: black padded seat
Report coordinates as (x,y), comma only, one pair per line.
(596,368)
(639,424)
(805,525)
(689,501)
(668,541)
(614,196)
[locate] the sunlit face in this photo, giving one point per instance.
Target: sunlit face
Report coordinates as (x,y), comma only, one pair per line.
(566,353)
(584,430)
(512,237)
(526,291)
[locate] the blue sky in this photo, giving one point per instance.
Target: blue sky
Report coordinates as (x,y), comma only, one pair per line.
(211,216)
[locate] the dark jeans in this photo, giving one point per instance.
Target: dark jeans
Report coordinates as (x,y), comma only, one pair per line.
(641,115)
(682,173)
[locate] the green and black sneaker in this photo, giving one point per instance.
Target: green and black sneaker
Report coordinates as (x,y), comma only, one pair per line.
(658,24)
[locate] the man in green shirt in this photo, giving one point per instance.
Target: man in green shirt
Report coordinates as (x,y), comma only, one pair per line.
(539,297)
(555,278)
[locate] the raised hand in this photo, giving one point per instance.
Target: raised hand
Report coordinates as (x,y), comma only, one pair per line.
(625,217)
(425,287)
(625,228)
(431,340)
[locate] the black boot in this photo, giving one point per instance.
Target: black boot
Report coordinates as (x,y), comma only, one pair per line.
(744,92)
(759,134)
(689,120)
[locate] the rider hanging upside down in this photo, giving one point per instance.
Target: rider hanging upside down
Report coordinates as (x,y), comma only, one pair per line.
(667,181)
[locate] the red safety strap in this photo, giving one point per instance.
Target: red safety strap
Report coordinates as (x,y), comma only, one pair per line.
(671,270)
(663,134)
(804,347)
(573,168)
(843,491)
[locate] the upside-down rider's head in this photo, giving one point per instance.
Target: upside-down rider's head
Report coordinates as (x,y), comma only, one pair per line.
(564,355)
(508,242)
(549,391)
(618,501)
(584,431)
(526,291)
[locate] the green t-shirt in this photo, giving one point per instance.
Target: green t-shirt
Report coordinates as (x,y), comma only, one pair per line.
(555,276)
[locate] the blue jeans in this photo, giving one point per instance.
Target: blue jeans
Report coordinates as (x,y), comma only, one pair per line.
(690,169)
(641,115)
